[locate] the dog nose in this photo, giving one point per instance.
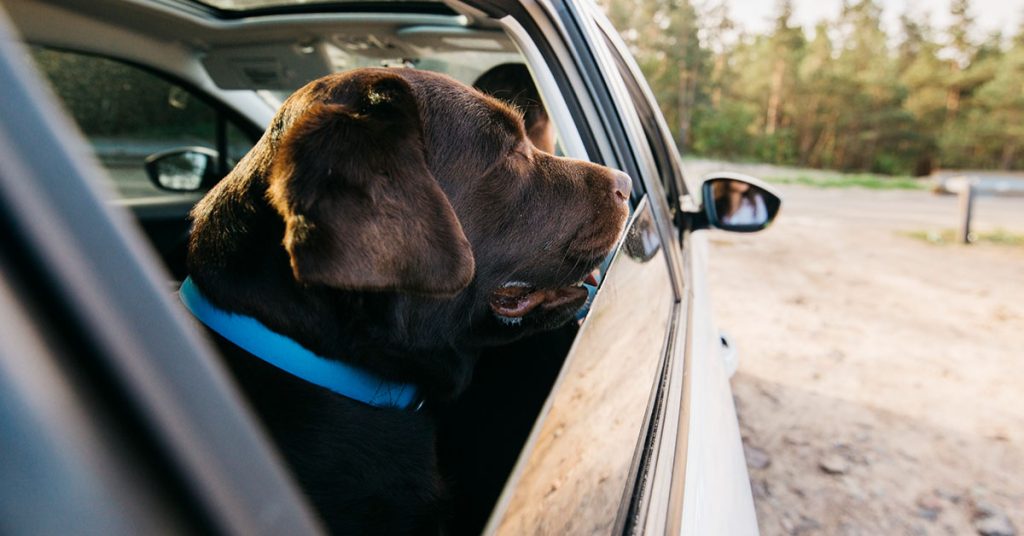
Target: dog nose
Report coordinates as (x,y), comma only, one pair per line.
(623,185)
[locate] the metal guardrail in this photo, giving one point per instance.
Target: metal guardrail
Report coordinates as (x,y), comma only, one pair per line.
(988,184)
(968,186)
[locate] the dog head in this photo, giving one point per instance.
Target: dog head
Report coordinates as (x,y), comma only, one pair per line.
(362,210)
(410,188)
(408,181)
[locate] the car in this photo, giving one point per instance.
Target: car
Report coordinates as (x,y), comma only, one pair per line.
(118,415)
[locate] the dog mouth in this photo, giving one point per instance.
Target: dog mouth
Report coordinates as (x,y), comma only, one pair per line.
(550,304)
(513,300)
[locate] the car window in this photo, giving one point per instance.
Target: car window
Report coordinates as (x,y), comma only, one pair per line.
(128,113)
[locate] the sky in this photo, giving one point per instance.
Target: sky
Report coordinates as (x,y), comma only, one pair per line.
(755,15)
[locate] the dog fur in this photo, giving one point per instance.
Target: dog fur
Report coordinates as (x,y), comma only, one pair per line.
(399,221)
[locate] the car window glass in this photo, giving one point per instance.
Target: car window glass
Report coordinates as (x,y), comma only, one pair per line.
(239,143)
(572,475)
(665,156)
(127,113)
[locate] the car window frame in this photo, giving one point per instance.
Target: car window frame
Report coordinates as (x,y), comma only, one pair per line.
(630,135)
(224,114)
(666,155)
(532,26)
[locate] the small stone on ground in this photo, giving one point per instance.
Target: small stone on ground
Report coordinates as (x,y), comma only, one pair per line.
(994,525)
(756,458)
(834,464)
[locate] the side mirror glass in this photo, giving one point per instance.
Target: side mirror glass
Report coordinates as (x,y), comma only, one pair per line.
(187,169)
(739,203)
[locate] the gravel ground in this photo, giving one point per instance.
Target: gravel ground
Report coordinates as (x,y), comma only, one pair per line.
(881,379)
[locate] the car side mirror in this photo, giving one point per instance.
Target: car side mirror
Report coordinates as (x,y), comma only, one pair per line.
(185,169)
(739,203)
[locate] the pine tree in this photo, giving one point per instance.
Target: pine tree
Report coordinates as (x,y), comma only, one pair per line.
(844,99)
(922,75)
(961,51)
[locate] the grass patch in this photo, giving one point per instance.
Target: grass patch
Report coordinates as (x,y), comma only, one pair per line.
(1000,237)
(854,180)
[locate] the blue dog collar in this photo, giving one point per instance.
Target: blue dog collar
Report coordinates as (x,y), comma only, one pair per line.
(284,353)
(585,308)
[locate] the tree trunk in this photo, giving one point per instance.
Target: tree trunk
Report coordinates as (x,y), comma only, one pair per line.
(952,102)
(826,142)
(953,93)
(775,98)
(716,78)
(685,90)
(1009,152)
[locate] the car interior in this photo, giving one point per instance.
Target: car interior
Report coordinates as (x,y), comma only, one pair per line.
(148,79)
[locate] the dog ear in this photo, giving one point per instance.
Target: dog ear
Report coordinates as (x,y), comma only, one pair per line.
(361,209)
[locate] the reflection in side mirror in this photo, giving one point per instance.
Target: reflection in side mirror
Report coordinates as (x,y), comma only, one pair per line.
(187,169)
(740,203)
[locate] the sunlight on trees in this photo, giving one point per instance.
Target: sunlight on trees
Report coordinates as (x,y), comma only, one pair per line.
(844,97)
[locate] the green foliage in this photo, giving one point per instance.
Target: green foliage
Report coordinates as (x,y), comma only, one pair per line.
(724,132)
(866,180)
(855,180)
(843,99)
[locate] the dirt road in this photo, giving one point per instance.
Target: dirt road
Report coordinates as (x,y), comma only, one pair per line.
(881,379)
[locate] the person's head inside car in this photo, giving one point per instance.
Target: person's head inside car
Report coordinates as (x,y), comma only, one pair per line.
(511,82)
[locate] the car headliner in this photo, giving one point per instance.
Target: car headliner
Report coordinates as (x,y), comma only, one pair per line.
(175,32)
(251,5)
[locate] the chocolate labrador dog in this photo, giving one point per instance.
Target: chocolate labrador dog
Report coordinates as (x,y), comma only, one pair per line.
(388,225)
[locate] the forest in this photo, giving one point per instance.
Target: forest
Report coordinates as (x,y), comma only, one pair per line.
(848,96)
